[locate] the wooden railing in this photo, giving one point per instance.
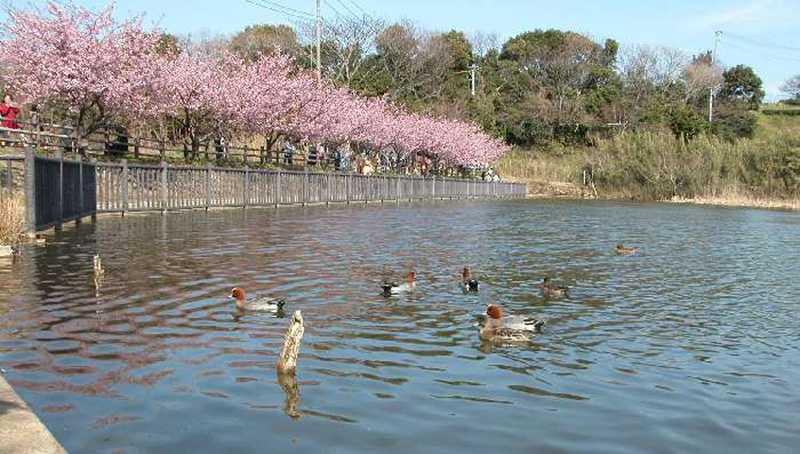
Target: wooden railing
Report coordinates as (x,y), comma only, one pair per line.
(140,187)
(59,190)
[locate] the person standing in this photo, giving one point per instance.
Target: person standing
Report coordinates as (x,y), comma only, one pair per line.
(9,111)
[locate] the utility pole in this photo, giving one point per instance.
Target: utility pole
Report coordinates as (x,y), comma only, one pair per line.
(472,70)
(319,41)
(717,34)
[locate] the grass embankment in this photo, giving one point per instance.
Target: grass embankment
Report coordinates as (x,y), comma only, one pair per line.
(763,171)
(12,218)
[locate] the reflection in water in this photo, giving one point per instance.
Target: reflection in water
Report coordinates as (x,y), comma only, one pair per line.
(289,385)
(691,342)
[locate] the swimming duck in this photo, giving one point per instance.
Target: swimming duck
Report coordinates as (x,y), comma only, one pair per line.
(259,304)
(393,288)
(622,250)
(40,239)
(552,290)
(470,284)
(501,329)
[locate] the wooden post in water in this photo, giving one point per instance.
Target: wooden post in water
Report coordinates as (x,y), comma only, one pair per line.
(164,191)
(125,180)
(30,190)
(287,361)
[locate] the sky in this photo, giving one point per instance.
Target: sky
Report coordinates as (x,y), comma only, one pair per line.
(764,34)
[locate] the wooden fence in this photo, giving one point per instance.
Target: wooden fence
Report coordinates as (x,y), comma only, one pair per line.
(59,190)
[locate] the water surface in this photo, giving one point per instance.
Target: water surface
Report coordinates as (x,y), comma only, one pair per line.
(690,346)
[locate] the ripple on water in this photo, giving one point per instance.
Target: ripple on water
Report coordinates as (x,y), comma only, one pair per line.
(689,344)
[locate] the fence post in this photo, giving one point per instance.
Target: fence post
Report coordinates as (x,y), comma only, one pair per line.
(164,191)
(81,208)
(398,186)
(30,190)
(125,180)
(9,176)
(246,184)
(347,185)
(208,185)
(93,162)
(327,188)
(277,194)
(60,206)
(305,184)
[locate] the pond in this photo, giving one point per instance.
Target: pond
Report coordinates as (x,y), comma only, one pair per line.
(690,344)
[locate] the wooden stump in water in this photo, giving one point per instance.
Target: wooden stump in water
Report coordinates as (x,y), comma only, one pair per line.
(287,362)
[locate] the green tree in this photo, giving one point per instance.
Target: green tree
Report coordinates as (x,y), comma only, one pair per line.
(742,85)
(257,40)
(168,44)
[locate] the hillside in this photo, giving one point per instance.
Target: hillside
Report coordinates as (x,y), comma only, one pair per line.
(761,171)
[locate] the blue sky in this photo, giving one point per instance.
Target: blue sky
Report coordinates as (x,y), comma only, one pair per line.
(764,34)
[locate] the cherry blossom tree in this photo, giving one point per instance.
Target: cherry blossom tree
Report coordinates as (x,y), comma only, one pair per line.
(100,70)
(83,62)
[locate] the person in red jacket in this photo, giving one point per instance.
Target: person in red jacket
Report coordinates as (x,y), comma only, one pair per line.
(9,111)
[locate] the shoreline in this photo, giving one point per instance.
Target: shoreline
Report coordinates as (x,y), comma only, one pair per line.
(538,190)
(21,431)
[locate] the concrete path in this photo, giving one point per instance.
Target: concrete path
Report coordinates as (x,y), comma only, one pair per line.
(21,432)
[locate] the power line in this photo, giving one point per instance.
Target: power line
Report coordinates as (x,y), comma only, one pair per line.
(762,54)
(754,42)
(358,7)
(335,11)
(283,10)
(346,8)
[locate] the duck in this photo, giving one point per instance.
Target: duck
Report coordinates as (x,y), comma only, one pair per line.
(510,329)
(622,250)
(264,304)
(552,290)
(40,239)
(393,288)
(467,281)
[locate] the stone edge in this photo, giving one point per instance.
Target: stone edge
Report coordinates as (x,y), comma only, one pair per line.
(21,431)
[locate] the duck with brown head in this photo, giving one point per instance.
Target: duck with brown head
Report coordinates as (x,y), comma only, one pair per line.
(502,329)
(264,304)
(393,288)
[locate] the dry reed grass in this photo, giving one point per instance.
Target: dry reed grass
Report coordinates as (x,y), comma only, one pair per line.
(12,218)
